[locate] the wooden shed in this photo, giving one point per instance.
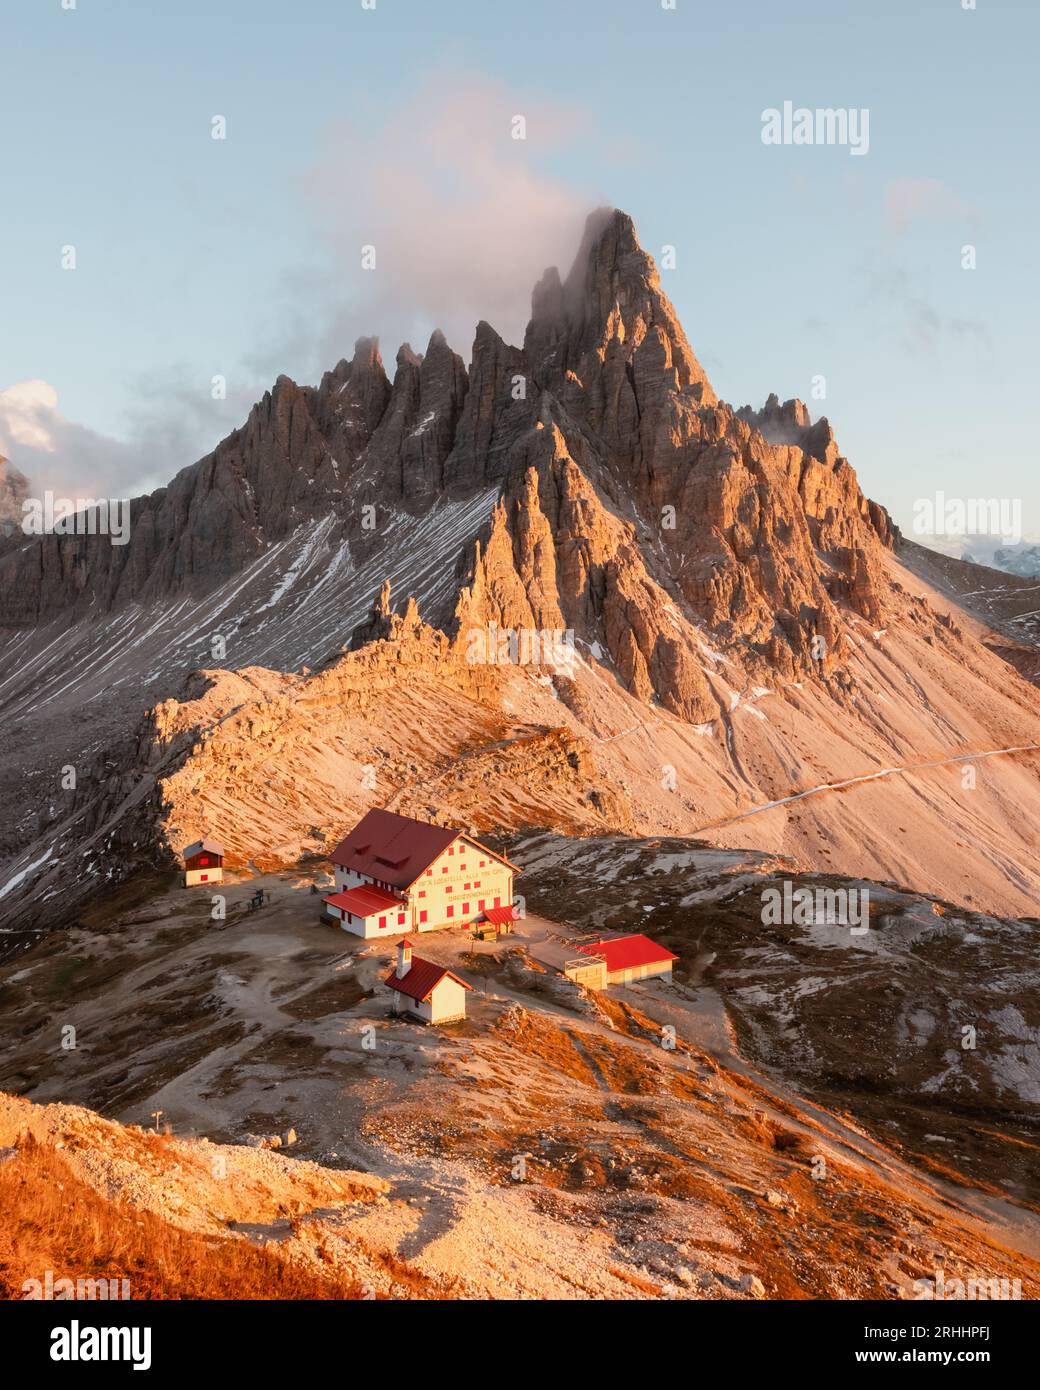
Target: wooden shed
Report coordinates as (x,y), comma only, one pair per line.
(203,862)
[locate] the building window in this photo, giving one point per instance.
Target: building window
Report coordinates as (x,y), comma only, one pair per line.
(448,888)
(203,862)
(422,892)
(422,915)
(451,910)
(467,886)
(203,878)
(445,869)
(400,919)
(451,849)
(465,909)
(382,921)
(480,905)
(498,902)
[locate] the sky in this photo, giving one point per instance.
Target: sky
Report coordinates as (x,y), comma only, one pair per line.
(391,125)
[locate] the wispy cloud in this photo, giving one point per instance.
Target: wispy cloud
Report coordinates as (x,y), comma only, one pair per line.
(463,216)
(908,200)
(919,324)
(171,424)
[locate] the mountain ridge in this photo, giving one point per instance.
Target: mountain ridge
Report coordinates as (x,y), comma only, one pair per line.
(591,484)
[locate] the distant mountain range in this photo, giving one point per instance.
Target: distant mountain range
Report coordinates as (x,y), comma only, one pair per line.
(1021,558)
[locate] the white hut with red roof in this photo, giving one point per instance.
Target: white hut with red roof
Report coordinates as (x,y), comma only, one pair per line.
(395,874)
(426,990)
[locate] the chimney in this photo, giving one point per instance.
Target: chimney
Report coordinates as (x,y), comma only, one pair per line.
(404,958)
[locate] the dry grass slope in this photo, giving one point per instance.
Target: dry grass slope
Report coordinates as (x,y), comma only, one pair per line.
(57,1222)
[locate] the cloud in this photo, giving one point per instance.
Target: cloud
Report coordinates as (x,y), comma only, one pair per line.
(464,218)
(919,324)
(170,425)
(907,200)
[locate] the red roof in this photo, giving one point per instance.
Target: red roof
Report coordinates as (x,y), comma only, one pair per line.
(628,952)
(393,848)
(397,849)
(500,914)
(421,979)
(365,901)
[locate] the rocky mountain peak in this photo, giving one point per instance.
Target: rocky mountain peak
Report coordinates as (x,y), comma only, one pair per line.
(14,488)
(610,305)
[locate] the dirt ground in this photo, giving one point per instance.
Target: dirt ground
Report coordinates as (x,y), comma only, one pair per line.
(554,1144)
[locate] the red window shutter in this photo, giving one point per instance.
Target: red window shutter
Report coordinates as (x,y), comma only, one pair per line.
(465,909)
(498,902)
(480,905)
(382,921)
(451,911)
(400,919)
(422,915)
(203,878)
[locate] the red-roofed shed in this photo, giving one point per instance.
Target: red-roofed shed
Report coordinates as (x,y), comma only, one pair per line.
(628,958)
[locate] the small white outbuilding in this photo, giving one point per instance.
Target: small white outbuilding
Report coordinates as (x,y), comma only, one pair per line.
(426,990)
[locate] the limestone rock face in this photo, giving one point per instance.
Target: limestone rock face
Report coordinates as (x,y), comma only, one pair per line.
(707,617)
(635,510)
(350,402)
(14,489)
